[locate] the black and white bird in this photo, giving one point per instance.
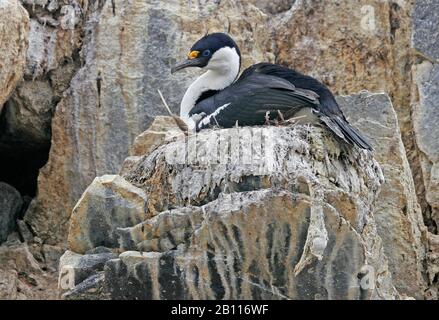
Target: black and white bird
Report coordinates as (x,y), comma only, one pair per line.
(263,92)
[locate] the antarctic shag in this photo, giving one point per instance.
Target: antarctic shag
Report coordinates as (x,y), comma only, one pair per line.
(264,91)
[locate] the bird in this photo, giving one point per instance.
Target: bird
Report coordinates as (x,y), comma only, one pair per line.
(263,92)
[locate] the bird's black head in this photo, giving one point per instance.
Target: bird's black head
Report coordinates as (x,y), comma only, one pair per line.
(208,49)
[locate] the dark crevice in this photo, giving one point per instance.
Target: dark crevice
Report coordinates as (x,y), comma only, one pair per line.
(19,167)
(20,160)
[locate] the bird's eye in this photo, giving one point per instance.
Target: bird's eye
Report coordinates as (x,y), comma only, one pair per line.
(206,53)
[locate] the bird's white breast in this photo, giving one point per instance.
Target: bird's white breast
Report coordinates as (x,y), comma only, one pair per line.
(222,70)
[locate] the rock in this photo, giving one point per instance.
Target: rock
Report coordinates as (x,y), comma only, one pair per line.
(425,117)
(98,250)
(10,206)
(13,239)
(25,232)
(253,213)
(8,285)
(28,114)
(359,45)
(91,288)
(14,28)
(21,277)
(243,260)
(162,129)
(273,7)
(75,268)
(425,28)
(52,44)
(360,55)
(397,212)
(425,113)
(433,266)
(52,255)
(50,62)
(109,202)
(19,258)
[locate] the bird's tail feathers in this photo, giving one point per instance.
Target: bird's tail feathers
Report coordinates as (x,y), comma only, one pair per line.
(346,132)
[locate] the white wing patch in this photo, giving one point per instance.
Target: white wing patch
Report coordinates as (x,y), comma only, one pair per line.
(207,119)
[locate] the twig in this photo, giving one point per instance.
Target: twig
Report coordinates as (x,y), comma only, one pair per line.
(164,103)
(180,123)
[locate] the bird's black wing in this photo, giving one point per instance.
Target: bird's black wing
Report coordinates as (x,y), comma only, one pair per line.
(299,80)
(249,101)
(329,110)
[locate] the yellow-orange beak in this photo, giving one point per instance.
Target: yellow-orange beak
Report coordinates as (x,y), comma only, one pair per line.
(194,59)
(193,55)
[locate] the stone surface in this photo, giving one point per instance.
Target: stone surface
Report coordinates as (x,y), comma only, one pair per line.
(14,32)
(162,129)
(52,255)
(75,268)
(253,213)
(50,65)
(425,117)
(91,288)
(109,202)
(10,206)
(28,114)
(425,111)
(24,231)
(397,212)
(433,266)
(21,276)
(426,28)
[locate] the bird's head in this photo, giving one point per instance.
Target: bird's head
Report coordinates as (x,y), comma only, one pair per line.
(216,51)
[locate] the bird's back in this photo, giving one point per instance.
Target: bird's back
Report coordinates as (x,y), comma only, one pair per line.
(299,80)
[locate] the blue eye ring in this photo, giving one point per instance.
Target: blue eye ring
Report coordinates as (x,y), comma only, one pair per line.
(206,53)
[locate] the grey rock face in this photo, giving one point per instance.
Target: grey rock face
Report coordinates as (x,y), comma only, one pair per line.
(425,37)
(425,119)
(397,212)
(10,206)
(425,116)
(75,268)
(250,252)
(108,203)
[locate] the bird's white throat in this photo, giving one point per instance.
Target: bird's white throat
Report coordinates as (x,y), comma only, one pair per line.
(222,70)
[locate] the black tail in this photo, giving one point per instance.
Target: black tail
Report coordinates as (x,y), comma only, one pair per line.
(345,131)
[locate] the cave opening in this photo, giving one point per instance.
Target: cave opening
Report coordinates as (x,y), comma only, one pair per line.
(19,167)
(20,161)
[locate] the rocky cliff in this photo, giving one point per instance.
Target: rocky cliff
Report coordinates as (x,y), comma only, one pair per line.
(245,213)
(78,83)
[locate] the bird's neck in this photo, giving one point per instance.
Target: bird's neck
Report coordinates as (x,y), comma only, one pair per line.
(214,79)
